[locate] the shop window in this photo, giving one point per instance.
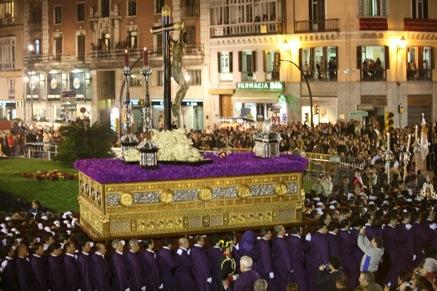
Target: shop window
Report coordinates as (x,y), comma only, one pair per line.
(420,63)
(270,69)
(247,65)
(158,5)
(319,63)
(225,65)
(419,9)
(57,14)
(132,8)
(373,61)
(373,8)
(80,12)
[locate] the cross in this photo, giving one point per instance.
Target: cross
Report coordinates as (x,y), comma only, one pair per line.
(165,29)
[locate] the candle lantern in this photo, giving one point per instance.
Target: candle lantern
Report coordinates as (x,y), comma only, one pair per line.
(148,154)
(267,143)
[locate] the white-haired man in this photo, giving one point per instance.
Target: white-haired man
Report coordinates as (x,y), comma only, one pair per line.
(247,278)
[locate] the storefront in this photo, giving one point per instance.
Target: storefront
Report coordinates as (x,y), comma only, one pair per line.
(7,110)
(191,111)
(261,101)
(324,110)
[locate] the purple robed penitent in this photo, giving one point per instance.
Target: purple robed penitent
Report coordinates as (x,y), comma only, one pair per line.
(318,254)
(56,273)
(116,171)
(24,273)
(72,274)
(39,272)
(246,281)
(9,279)
(296,250)
(393,241)
(281,263)
(100,273)
(166,265)
(183,270)
(151,271)
(263,265)
(135,271)
(334,249)
(84,262)
(119,270)
(349,264)
(201,271)
(214,256)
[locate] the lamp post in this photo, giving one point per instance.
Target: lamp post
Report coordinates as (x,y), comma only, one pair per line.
(308,86)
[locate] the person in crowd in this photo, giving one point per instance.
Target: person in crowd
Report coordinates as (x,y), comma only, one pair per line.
(38,267)
(166,265)
(341,282)
(24,269)
(248,277)
(150,266)
(260,285)
(281,258)
(393,241)
(201,270)
(327,276)
(296,250)
(184,265)
(135,271)
(215,254)
(101,276)
(55,267)
(119,266)
(367,281)
(318,253)
(372,250)
(85,266)
(263,265)
(71,267)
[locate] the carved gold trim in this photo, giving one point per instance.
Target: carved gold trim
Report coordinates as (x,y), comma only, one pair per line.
(243,191)
(280,189)
(126,199)
(205,194)
(166,197)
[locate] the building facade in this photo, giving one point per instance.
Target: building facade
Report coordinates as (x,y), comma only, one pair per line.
(375,56)
(75,66)
(11,65)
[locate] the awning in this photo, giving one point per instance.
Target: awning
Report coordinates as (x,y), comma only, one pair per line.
(221,91)
(256,96)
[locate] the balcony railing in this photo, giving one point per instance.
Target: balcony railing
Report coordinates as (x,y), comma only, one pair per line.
(373,75)
(7,20)
(229,30)
(429,25)
(308,26)
(373,23)
(419,75)
(190,11)
(7,66)
(328,75)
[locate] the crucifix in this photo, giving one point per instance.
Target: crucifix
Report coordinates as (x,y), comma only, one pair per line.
(165,29)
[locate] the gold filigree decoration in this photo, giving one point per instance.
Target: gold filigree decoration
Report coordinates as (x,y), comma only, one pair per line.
(165,10)
(126,199)
(166,196)
(243,191)
(280,189)
(205,194)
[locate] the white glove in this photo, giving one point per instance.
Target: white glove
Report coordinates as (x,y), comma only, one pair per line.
(292,271)
(161,286)
(127,289)
(271,275)
(414,257)
(237,247)
(308,237)
(179,252)
(209,280)
(234,277)
(408,226)
(258,237)
(189,251)
(433,226)
(143,288)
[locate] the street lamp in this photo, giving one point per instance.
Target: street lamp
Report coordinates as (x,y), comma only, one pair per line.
(308,86)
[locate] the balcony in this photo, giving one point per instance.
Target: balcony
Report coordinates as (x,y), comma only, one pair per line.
(419,75)
(373,75)
(7,20)
(327,76)
(190,11)
(230,30)
(308,26)
(373,23)
(429,25)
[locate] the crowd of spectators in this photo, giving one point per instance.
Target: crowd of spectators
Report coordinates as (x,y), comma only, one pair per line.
(13,141)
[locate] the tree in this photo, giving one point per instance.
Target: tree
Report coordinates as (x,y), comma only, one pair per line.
(81,141)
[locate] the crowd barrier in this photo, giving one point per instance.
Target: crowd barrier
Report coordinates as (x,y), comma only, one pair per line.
(40,150)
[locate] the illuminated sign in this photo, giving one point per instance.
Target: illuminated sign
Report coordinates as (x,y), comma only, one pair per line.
(272,86)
